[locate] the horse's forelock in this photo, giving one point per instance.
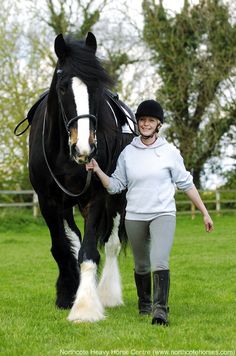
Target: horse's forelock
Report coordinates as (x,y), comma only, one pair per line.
(85,64)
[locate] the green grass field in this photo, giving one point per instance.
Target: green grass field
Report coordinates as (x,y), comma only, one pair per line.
(202,297)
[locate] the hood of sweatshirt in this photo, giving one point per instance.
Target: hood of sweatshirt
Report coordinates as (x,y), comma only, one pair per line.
(160,141)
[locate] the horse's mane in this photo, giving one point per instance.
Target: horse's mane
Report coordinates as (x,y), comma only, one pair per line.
(85,64)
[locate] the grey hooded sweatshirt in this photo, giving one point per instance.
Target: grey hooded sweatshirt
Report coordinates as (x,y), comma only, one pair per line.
(151,174)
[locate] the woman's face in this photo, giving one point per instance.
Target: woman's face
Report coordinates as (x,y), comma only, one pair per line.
(148,125)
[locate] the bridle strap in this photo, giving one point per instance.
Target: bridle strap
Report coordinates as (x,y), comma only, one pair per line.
(17,127)
(76,118)
(68,123)
(128,114)
(89,173)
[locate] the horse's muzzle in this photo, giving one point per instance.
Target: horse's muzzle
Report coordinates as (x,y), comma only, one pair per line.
(83,157)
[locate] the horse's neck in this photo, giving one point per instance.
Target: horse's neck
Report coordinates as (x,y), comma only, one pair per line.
(109,137)
(55,129)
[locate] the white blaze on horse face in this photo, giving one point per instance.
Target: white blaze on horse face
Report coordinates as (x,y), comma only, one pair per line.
(82,108)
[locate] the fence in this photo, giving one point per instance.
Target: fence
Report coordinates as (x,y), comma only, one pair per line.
(216,201)
(14,203)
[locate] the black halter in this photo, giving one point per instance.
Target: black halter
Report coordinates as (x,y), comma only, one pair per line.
(89,173)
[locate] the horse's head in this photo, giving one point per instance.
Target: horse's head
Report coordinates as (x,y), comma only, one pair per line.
(79,80)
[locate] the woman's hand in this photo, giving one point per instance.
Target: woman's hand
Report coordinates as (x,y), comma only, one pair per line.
(92,165)
(208,223)
(197,201)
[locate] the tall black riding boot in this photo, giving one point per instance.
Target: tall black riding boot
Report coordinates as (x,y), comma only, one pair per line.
(143,285)
(161,284)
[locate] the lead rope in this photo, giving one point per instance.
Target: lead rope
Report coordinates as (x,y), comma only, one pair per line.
(89,173)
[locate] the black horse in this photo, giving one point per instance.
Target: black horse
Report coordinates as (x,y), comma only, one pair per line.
(79,118)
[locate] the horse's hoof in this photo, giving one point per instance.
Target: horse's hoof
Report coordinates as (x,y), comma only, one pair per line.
(62,303)
(78,314)
(64,306)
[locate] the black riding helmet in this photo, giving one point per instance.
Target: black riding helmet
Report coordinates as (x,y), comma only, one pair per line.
(150,108)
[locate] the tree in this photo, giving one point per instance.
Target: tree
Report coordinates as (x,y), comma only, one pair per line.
(16,93)
(25,74)
(78,17)
(194,53)
(230,179)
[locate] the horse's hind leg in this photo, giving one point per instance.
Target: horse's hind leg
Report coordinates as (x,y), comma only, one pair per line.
(109,288)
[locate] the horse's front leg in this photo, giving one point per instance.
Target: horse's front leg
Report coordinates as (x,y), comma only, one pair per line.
(65,238)
(109,288)
(87,306)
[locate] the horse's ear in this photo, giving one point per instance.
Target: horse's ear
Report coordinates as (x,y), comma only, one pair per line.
(91,41)
(60,47)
